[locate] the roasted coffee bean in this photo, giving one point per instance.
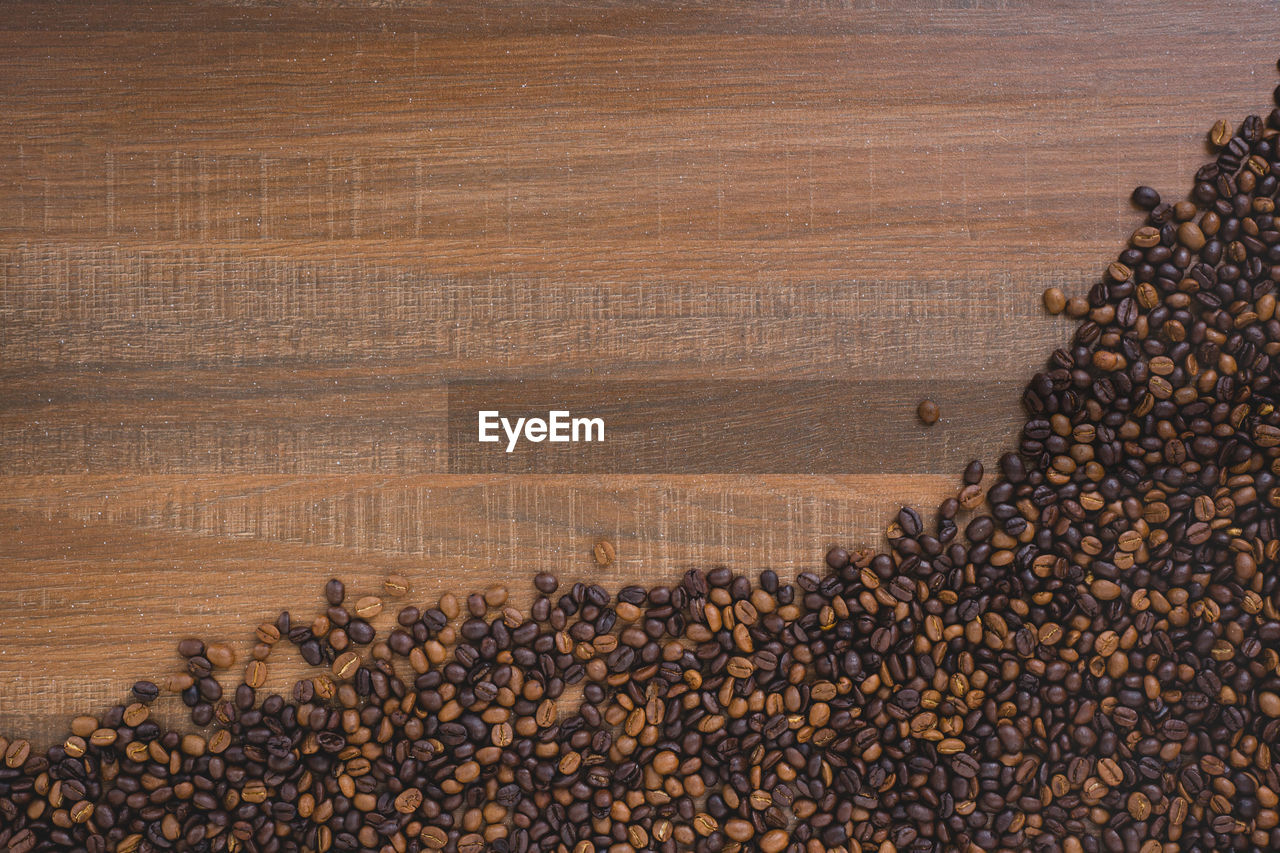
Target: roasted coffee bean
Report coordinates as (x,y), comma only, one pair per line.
(1145,197)
(368,607)
(604,553)
(220,655)
(1055,301)
(145,691)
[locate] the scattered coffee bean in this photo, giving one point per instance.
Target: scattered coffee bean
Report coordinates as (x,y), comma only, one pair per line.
(145,691)
(603,552)
(1055,301)
(220,655)
(335,592)
(1145,197)
(368,607)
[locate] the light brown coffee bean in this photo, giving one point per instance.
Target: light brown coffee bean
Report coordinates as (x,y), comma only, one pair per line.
(408,800)
(346,664)
(604,553)
(255,674)
(368,607)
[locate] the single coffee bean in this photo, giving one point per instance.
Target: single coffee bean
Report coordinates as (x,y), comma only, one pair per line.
(255,674)
(396,585)
(145,691)
(345,665)
(23,841)
(1145,197)
(1055,301)
(1077,307)
(604,552)
(433,838)
(1139,806)
(495,596)
(368,607)
(408,800)
(17,753)
(220,655)
(1220,133)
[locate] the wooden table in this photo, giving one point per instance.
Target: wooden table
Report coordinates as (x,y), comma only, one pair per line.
(243,248)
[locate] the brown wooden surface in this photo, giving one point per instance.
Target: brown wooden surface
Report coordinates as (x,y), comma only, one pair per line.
(242,248)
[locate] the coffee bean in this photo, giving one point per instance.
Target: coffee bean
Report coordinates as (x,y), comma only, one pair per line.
(408,800)
(1190,235)
(396,585)
(604,552)
(774,841)
(964,765)
(360,632)
(345,665)
(255,674)
(145,691)
(928,412)
(665,762)
(433,838)
(1220,133)
(1055,301)
(368,607)
(1139,806)
(1145,197)
(1110,772)
(134,714)
(495,596)
(837,558)
(220,655)
(17,753)
(23,841)
(740,667)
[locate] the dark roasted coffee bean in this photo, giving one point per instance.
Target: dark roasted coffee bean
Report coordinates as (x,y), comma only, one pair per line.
(145,691)
(1145,197)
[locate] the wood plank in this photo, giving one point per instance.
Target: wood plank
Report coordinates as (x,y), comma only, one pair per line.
(378,422)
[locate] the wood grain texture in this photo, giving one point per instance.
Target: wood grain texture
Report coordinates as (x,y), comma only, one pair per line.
(244,247)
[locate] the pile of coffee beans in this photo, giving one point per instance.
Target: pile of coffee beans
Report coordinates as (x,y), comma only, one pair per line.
(1081,653)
